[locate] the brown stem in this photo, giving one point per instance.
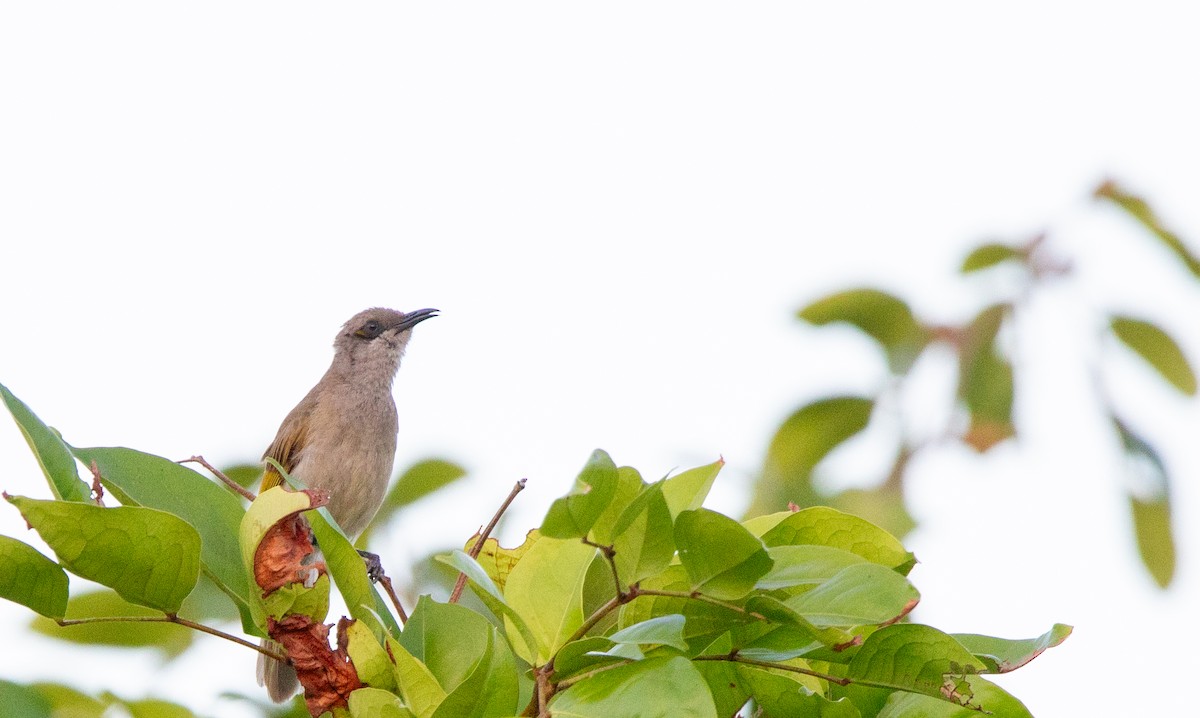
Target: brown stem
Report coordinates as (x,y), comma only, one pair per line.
(609,554)
(735,658)
(235,486)
(697,596)
(386,582)
(172,618)
(461,583)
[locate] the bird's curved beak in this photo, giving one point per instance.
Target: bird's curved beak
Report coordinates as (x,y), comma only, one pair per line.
(413,318)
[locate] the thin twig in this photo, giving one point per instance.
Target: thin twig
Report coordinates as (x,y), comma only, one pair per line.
(461,583)
(235,486)
(386,582)
(97,487)
(735,658)
(609,556)
(697,596)
(172,618)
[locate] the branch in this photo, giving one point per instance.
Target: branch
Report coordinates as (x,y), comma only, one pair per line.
(697,596)
(235,486)
(461,583)
(386,582)
(172,618)
(609,552)
(735,658)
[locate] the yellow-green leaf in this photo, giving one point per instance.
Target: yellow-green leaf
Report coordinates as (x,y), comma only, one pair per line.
(1158,349)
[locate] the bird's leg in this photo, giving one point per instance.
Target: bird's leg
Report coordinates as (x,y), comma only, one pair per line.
(374,565)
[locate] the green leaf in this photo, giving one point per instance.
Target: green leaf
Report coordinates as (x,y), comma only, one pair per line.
(349,574)
(805,565)
(32,580)
(141,479)
(67,702)
(804,439)
(989,255)
(643,537)
(23,701)
(370,660)
(1137,208)
(151,708)
(169,638)
(985,380)
(629,487)
(498,561)
(376,703)
(491,597)
(884,317)
(574,515)
(780,612)
(660,630)
(447,638)
(150,557)
(780,696)
(53,455)
(862,594)
(1150,501)
(912,657)
(722,559)
(1158,349)
(823,526)
(1002,655)
(420,690)
(415,483)
(687,490)
(546,589)
(991,699)
(653,687)
(490,689)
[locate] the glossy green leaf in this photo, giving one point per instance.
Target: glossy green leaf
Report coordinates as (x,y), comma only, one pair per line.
(490,689)
(371,661)
(884,317)
(150,557)
(519,634)
(216,513)
(661,630)
(573,515)
(1002,655)
(653,687)
(989,255)
(805,565)
(32,580)
(916,658)
(546,588)
(447,638)
(629,487)
(53,455)
(349,574)
(722,559)
(643,537)
(688,489)
(804,439)
(376,703)
(168,638)
(862,594)
(1150,501)
(783,696)
(583,655)
(1158,349)
(991,699)
(985,380)
(806,631)
(823,526)
(1137,208)
(415,483)
(421,692)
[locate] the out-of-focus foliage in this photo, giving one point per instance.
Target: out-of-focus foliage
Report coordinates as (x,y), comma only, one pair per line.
(987,387)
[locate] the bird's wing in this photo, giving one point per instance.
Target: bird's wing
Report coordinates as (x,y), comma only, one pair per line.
(288,443)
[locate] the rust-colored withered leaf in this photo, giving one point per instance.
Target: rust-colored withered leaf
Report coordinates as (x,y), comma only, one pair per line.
(327,675)
(279,558)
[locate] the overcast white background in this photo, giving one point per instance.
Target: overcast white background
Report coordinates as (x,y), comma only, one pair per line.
(617,209)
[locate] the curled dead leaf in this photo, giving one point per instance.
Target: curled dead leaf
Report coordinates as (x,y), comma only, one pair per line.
(327,675)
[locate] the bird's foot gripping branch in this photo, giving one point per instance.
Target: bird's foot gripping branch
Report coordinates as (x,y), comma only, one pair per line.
(630,599)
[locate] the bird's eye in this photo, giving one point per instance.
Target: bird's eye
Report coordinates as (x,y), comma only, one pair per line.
(370,330)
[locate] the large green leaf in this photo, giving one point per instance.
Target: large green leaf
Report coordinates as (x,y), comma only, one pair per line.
(370,660)
(421,691)
(781,696)
(884,317)
(486,590)
(168,638)
(722,559)
(801,442)
(573,515)
(688,489)
(23,701)
(661,630)
(376,703)
(1158,349)
(662,687)
(142,479)
(861,594)
(1150,500)
(349,573)
(416,482)
(1137,208)
(629,487)
(32,580)
(546,588)
(991,699)
(823,526)
(1002,655)
(150,557)
(916,658)
(643,537)
(53,455)
(805,565)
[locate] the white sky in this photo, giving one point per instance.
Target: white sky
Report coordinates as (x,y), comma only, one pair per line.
(617,209)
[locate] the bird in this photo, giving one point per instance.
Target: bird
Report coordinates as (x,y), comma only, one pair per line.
(341,437)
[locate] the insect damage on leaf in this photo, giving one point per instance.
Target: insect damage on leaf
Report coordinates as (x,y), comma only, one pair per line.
(327,675)
(279,558)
